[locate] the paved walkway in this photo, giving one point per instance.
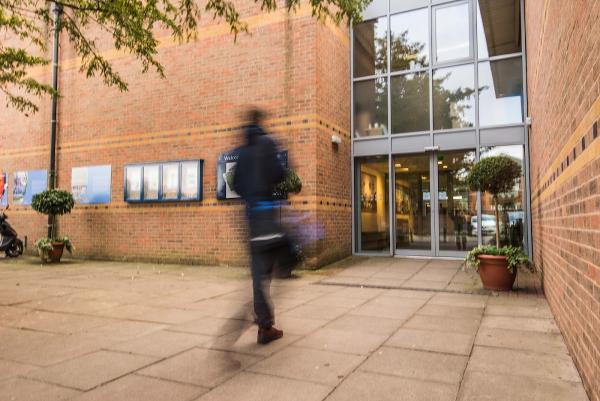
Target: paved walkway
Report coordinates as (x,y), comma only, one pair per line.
(122,331)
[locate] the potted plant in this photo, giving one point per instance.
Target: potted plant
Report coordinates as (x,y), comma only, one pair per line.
(290,185)
(497,265)
(53,202)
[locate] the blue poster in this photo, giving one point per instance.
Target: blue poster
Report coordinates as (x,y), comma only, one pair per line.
(91,184)
(3,189)
(27,184)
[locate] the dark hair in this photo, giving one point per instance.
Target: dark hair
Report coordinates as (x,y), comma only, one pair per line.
(255,116)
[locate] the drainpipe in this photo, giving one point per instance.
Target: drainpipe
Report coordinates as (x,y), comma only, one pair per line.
(57,8)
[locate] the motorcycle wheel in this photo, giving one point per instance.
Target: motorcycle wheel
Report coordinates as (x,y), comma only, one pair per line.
(15,249)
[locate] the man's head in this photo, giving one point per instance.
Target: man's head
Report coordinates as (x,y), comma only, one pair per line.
(255,116)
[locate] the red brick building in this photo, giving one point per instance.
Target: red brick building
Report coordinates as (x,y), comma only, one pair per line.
(416,93)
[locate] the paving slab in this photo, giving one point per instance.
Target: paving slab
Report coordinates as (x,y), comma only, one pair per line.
(551,343)
(366,386)
(386,311)
(211,326)
(451,311)
(425,284)
(10,369)
(135,387)
(297,325)
(479,386)
(441,323)
(541,311)
(432,340)
(161,344)
(55,322)
(89,371)
(343,341)
(202,367)
(419,365)
(244,342)
(466,300)
(258,387)
(312,365)
(22,389)
(522,363)
(365,324)
(520,323)
(317,312)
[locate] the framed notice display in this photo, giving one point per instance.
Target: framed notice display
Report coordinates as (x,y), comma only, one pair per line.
(164,182)
(226,169)
(3,189)
(91,185)
(151,182)
(28,183)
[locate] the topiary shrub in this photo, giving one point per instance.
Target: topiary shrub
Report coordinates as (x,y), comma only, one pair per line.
(494,175)
(53,202)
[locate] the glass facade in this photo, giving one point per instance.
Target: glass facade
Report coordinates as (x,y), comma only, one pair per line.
(445,79)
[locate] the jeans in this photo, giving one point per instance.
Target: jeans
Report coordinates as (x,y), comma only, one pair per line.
(262,269)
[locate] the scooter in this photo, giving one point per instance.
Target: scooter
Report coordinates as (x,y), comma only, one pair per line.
(9,243)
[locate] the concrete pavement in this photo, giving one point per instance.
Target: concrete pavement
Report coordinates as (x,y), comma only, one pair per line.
(366,329)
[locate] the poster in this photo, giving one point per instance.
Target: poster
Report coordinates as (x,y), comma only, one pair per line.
(3,190)
(189,180)
(368,192)
(151,181)
(133,183)
(91,185)
(27,184)
(226,169)
(170,181)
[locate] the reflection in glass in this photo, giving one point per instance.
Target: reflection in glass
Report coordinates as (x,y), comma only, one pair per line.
(370,108)
(373,190)
(170,181)
(452,33)
(409,40)
(457,204)
(189,180)
(151,182)
(500,92)
(370,47)
(413,202)
(498,27)
(453,97)
(410,103)
(511,210)
(133,182)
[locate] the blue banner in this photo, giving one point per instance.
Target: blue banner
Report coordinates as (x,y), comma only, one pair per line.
(91,185)
(27,184)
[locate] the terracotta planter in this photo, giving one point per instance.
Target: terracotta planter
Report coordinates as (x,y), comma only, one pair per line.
(494,273)
(56,253)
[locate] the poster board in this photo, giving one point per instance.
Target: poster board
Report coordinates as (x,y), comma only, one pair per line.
(226,168)
(3,190)
(170,181)
(28,183)
(91,185)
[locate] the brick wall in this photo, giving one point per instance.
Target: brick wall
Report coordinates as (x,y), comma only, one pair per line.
(195,114)
(564,101)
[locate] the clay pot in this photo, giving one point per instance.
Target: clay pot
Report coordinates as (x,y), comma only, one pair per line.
(56,253)
(494,273)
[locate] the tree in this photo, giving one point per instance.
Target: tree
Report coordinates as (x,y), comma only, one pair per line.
(495,175)
(132,25)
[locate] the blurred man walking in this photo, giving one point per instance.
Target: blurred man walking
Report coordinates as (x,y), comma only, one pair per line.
(257,173)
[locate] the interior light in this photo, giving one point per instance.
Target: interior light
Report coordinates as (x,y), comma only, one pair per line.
(398,165)
(404,169)
(440,162)
(445,166)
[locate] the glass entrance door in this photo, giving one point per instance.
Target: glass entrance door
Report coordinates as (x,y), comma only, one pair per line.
(435,213)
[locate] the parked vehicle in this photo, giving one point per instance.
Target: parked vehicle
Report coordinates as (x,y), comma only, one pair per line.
(9,242)
(488,225)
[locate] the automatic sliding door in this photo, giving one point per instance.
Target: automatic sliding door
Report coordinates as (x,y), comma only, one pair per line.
(373,205)
(457,205)
(412,187)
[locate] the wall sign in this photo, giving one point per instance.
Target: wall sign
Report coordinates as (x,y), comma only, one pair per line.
(164,182)
(28,183)
(226,168)
(91,184)
(3,189)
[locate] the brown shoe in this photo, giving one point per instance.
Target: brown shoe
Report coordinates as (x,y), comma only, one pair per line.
(265,336)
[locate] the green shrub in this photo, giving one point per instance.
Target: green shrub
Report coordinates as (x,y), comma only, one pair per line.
(515,256)
(53,202)
(292,184)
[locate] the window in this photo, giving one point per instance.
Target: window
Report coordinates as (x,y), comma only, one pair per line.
(370,108)
(409,37)
(452,32)
(510,204)
(498,27)
(410,103)
(453,97)
(501,92)
(373,184)
(370,48)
